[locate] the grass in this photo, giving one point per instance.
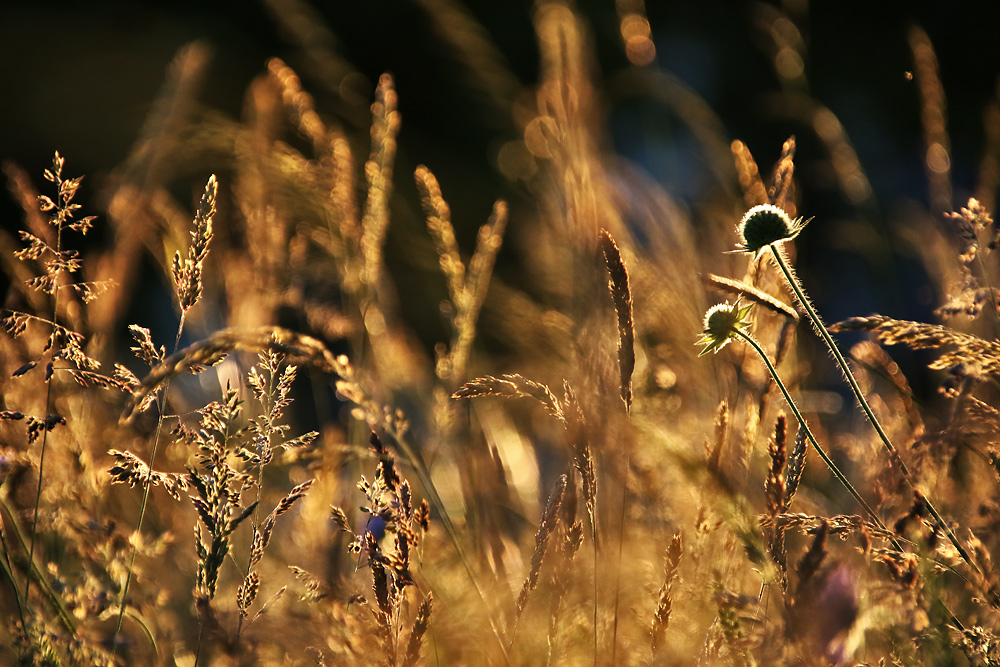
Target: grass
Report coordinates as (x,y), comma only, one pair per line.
(296,475)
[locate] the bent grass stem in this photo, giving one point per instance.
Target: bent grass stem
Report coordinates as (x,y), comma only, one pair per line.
(812,439)
(894,456)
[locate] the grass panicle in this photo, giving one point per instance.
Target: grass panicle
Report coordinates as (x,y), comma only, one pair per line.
(664,603)
(622,295)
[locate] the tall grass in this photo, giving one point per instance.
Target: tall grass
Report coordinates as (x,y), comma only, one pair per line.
(279,465)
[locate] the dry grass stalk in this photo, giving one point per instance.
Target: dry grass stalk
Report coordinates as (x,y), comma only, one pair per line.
(439,225)
(219,488)
(969,356)
(210,351)
(775,490)
(774,485)
(664,604)
(299,103)
(187,272)
(417,633)
(750,293)
(973,222)
(488,242)
(569,412)
(513,386)
(130,469)
(937,159)
(466,288)
(754,192)
(583,458)
(345,234)
(24,192)
(828,129)
(340,520)
(563,579)
(837,524)
(55,269)
(315,588)
(546,526)
(874,357)
(981,417)
(793,471)
(727,606)
(782,190)
(813,558)
(622,295)
(378,174)
(713,451)
(389,500)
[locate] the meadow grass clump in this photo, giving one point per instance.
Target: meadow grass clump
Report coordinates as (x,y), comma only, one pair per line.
(312,445)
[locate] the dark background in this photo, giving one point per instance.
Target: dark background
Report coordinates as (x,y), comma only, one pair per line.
(79,77)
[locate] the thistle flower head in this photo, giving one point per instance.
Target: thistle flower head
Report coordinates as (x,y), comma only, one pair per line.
(766,224)
(722,322)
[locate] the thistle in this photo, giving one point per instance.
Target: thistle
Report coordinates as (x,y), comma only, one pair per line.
(723,323)
(765,225)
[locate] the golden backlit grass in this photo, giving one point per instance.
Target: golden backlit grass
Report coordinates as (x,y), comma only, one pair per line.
(293,477)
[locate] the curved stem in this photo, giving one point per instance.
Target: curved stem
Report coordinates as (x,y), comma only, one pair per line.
(859,395)
(812,439)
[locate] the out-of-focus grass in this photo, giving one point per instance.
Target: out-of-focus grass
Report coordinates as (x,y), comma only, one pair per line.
(339,420)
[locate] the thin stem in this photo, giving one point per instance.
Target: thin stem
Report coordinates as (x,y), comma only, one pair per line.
(833,468)
(268,408)
(197,652)
(595,595)
(161,406)
(425,479)
(8,569)
(893,452)
(43,585)
(812,439)
(618,566)
(45,416)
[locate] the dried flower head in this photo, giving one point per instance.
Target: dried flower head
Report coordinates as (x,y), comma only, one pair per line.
(766,224)
(722,322)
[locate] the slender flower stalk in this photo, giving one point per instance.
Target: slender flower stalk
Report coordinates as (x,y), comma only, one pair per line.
(187,275)
(726,322)
(764,228)
(64,345)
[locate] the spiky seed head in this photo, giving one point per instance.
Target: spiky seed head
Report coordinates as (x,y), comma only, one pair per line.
(764,225)
(722,322)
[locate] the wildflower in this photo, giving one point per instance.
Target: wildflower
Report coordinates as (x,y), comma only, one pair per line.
(722,323)
(766,224)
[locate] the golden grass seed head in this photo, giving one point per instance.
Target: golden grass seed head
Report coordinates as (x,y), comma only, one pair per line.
(722,322)
(764,225)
